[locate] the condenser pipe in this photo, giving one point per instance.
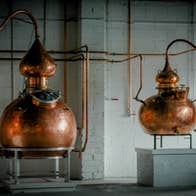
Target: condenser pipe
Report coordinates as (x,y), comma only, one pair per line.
(174,41)
(141,82)
(20,11)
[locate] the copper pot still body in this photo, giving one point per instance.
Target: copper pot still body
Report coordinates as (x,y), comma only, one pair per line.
(170,111)
(38,117)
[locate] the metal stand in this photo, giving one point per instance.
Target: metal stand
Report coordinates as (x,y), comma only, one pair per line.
(15,155)
(168,135)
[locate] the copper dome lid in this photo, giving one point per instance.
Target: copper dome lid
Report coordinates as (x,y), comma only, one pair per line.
(167,77)
(37,62)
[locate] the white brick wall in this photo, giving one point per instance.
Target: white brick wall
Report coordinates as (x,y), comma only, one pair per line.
(93,34)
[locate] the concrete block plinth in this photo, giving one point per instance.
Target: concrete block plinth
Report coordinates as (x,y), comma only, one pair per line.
(166,167)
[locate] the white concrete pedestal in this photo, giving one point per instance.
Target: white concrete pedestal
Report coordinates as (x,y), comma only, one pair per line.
(166,167)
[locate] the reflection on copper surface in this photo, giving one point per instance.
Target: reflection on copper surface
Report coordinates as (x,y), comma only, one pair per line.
(170,111)
(37,127)
(38,118)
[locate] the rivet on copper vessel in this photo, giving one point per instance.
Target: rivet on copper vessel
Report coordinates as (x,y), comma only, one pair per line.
(170,111)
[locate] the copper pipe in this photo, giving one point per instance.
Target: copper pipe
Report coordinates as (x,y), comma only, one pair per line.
(65,44)
(87,81)
(131,54)
(85,72)
(82,57)
(78,50)
(102,52)
(56,59)
(83,87)
(79,59)
(141,82)
(20,11)
(129,61)
(174,41)
(44,22)
(120,61)
(11,54)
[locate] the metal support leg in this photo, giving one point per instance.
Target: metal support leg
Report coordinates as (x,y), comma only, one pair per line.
(57,168)
(155,142)
(189,136)
(16,167)
(161,141)
(190,141)
(67,174)
(10,172)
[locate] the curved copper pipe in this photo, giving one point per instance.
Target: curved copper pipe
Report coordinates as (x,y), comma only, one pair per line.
(174,41)
(166,64)
(141,83)
(21,11)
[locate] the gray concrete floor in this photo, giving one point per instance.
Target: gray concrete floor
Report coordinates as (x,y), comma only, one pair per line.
(114,188)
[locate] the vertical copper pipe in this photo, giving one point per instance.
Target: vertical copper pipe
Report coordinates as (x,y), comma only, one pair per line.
(65,43)
(87,82)
(85,77)
(11,53)
(129,61)
(190,73)
(44,23)
(85,99)
(83,87)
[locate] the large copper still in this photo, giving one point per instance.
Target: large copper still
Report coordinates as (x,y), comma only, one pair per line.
(170,111)
(38,117)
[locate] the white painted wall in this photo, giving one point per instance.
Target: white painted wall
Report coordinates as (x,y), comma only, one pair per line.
(93,34)
(154,25)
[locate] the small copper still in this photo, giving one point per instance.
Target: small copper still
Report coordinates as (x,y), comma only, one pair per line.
(38,117)
(170,111)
